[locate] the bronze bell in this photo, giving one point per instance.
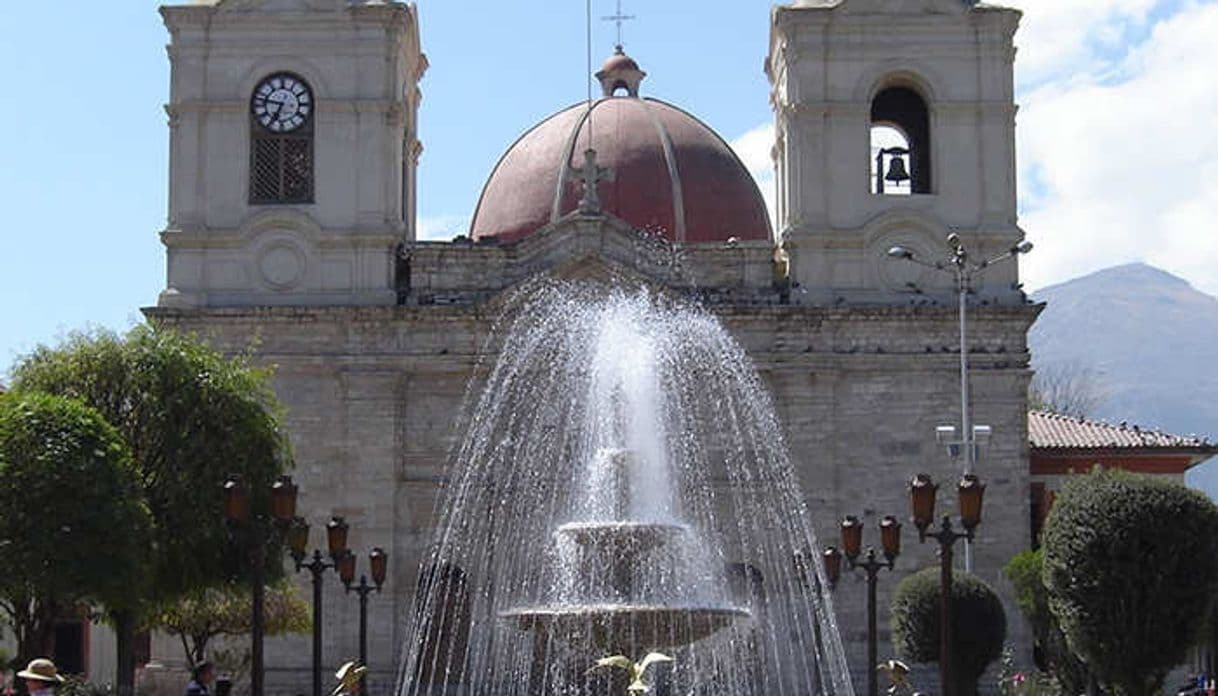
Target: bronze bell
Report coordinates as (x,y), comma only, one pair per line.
(896,170)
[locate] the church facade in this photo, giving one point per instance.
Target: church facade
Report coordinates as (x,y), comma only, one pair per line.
(294,144)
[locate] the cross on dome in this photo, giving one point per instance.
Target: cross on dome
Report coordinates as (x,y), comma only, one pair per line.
(617,17)
(591,175)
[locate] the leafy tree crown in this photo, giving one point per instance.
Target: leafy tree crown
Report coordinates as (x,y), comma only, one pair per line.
(979,623)
(190,416)
(1130,566)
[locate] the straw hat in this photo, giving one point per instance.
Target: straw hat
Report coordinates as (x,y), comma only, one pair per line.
(41,669)
(348,676)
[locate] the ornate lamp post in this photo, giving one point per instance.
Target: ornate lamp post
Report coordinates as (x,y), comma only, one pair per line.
(852,542)
(964,270)
(922,498)
(336,542)
(378,561)
(260,532)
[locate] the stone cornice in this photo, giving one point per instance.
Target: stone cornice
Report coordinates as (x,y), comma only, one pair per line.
(391,108)
(210,238)
(183,16)
(815,109)
(803,315)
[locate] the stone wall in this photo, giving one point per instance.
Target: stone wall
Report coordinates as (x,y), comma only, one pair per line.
(373,396)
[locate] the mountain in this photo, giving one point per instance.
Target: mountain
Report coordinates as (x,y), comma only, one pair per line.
(1145,340)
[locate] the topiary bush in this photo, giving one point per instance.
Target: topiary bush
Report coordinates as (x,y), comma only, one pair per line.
(1130,566)
(1052,654)
(979,624)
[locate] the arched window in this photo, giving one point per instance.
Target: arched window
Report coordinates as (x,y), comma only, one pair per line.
(900,142)
(281,140)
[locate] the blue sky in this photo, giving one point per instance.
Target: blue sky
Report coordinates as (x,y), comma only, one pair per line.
(1113,165)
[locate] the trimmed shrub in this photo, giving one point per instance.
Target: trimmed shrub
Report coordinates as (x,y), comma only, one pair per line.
(979,624)
(1130,566)
(1052,653)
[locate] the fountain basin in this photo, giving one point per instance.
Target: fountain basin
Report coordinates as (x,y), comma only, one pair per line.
(627,627)
(621,537)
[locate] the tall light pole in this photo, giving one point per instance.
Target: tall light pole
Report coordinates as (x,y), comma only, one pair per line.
(964,271)
(378,561)
(260,532)
(852,545)
(336,542)
(922,500)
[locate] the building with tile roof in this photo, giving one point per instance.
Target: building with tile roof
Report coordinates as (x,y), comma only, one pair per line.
(1061,445)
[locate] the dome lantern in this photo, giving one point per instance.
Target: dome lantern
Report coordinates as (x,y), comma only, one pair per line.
(620,71)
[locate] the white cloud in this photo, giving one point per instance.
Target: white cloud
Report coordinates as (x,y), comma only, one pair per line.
(441,228)
(1064,40)
(1121,170)
(753,148)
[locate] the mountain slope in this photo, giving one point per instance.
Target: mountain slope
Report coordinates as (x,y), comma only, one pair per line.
(1149,340)
(1148,335)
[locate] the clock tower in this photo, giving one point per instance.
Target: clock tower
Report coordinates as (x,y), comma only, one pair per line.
(293,148)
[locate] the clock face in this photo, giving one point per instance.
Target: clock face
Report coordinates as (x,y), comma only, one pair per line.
(282,103)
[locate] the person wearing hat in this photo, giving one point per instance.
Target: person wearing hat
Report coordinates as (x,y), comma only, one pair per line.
(200,677)
(350,679)
(40,676)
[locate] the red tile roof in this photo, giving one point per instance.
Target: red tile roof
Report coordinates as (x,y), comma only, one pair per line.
(1055,431)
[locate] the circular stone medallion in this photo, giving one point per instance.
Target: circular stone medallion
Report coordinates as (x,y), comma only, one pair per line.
(282,264)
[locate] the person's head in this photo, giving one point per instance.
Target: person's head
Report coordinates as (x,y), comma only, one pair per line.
(40,674)
(203,672)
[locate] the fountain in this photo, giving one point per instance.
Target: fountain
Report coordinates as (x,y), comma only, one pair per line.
(621,486)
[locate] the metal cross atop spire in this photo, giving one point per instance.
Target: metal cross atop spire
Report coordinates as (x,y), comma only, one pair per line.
(618,18)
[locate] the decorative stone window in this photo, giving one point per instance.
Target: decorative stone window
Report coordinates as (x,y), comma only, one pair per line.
(900,142)
(281,140)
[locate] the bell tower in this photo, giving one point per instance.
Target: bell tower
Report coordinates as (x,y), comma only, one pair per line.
(895,125)
(293,149)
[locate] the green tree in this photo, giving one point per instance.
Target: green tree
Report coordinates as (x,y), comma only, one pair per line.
(979,624)
(1052,653)
(74,530)
(190,416)
(225,611)
(1130,565)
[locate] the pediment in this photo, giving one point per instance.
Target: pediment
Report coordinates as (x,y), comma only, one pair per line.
(564,247)
(905,7)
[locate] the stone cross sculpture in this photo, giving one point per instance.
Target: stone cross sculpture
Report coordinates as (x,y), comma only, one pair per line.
(591,175)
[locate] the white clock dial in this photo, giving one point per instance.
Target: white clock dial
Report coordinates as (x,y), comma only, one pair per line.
(282,103)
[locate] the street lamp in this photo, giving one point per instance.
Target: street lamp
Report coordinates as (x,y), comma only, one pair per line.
(260,533)
(964,271)
(378,561)
(922,491)
(336,543)
(852,542)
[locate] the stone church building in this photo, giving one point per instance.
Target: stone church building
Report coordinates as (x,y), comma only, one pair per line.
(294,142)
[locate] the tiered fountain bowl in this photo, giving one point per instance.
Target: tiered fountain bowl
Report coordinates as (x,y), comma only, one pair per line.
(630,619)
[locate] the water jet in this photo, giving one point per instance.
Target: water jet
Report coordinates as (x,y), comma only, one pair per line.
(621,485)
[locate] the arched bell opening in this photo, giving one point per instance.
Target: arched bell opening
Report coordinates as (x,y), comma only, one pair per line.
(900,142)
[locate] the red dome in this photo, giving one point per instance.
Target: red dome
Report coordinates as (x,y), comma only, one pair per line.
(671,175)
